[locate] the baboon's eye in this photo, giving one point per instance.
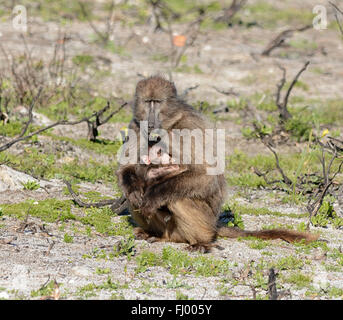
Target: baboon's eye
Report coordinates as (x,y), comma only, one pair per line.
(155,102)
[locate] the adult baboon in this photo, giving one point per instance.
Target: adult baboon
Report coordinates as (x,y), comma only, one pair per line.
(183,206)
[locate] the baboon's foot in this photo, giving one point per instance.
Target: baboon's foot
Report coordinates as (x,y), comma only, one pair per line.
(201,247)
(154,239)
(140,234)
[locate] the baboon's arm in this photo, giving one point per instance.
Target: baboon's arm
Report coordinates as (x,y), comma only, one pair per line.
(185,185)
(131,184)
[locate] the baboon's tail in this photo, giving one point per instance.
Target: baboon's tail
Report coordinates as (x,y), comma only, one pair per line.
(287,235)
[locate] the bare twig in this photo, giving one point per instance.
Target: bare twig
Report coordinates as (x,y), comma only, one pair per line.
(280,39)
(185,93)
(77,199)
(229,92)
(51,245)
(284,177)
(92,124)
(336,17)
(230,12)
(272,292)
(294,81)
(314,204)
(338,9)
(282,105)
(121,206)
(109,25)
(95,124)
(160,11)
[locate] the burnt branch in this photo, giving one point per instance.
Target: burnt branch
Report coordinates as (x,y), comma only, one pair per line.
(282,103)
(185,93)
(281,38)
(120,206)
(336,17)
(93,125)
(109,25)
(4,101)
(229,92)
(315,203)
(264,176)
(83,204)
(272,292)
(231,11)
(160,12)
(286,180)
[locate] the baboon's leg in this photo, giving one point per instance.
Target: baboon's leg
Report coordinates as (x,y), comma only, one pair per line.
(152,228)
(194,223)
(140,234)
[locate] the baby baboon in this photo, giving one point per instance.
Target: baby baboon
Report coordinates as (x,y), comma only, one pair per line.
(180,203)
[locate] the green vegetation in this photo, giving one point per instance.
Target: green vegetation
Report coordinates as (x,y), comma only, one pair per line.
(14,128)
(52,210)
(270,16)
(46,290)
(335,292)
(102,271)
(307,114)
(49,210)
(303,44)
(255,243)
(126,247)
(237,221)
(299,280)
(106,147)
(181,296)
(83,61)
(101,220)
(189,69)
(90,290)
(327,215)
(240,168)
(68,238)
(31,185)
(145,260)
(289,263)
(179,262)
(250,210)
(48,165)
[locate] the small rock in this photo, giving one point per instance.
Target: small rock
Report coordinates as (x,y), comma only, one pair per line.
(11,179)
(4,295)
(66,159)
(320,280)
(20,111)
(20,277)
(81,271)
(41,119)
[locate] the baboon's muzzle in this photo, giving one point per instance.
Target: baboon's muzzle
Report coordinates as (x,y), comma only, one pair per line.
(153,122)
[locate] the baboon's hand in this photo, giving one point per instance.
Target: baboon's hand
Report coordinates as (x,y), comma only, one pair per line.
(149,207)
(135,198)
(146,210)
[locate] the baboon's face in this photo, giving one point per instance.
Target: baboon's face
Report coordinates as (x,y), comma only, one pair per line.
(152,100)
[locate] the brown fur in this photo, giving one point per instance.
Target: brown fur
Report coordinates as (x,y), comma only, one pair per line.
(183,206)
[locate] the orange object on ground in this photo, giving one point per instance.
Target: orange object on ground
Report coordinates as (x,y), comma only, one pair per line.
(179,41)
